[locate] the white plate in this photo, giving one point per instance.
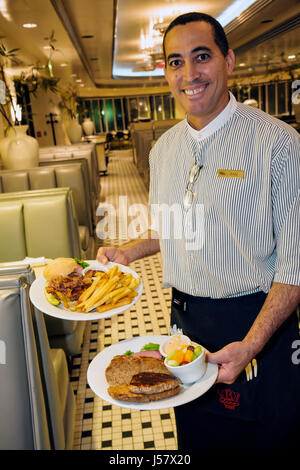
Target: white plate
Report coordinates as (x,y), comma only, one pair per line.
(37,297)
(97,381)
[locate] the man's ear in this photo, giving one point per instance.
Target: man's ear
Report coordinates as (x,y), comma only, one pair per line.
(230,60)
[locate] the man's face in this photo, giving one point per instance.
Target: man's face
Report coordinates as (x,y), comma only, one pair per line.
(197,71)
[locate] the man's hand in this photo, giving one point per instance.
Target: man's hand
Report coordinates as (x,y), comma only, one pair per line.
(111,253)
(232,359)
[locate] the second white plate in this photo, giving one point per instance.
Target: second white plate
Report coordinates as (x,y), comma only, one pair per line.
(97,381)
(37,297)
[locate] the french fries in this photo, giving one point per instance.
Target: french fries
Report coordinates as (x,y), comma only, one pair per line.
(110,290)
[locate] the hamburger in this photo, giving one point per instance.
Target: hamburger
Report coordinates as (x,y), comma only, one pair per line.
(61,267)
(65,281)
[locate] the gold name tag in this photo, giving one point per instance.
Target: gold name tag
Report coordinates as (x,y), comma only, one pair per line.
(231,173)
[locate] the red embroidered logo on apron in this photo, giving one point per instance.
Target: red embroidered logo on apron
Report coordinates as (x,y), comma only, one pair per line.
(229,398)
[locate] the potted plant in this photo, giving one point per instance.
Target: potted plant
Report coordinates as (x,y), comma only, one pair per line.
(68,107)
(16,138)
(18,150)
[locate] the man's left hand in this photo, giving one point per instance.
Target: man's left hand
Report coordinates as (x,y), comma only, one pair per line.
(232,359)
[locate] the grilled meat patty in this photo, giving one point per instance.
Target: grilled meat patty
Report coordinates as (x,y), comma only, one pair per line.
(152,382)
(122,368)
(122,392)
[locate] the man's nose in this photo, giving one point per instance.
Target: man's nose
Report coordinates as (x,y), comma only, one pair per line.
(190,71)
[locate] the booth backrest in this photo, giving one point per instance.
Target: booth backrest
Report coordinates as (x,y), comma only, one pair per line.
(88,184)
(159,127)
(23,416)
(38,223)
(73,175)
(87,151)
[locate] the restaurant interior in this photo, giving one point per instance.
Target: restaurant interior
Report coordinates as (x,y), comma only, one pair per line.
(83,99)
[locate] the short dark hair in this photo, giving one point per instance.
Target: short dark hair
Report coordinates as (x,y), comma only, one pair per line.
(219,33)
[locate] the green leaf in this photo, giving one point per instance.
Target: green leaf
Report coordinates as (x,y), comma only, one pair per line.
(150,347)
(81,262)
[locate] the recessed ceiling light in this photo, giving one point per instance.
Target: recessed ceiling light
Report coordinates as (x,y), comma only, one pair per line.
(78,80)
(242,64)
(64,65)
(47,47)
(29,25)
(291,57)
(87,36)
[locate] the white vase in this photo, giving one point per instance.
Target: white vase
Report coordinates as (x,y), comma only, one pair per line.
(18,150)
(74,131)
(88,126)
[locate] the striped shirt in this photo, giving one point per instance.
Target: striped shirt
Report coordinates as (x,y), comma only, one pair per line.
(246,208)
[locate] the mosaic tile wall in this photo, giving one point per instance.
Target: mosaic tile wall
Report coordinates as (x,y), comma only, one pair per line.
(101,425)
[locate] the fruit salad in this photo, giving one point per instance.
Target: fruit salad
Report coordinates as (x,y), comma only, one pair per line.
(183,355)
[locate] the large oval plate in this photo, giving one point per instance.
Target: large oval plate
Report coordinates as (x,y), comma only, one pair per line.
(39,300)
(98,383)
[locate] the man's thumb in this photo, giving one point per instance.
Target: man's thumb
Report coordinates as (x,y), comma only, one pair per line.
(214,358)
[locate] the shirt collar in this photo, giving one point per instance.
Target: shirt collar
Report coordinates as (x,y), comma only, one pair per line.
(217,122)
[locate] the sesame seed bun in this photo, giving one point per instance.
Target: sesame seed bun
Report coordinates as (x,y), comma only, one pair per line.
(59,267)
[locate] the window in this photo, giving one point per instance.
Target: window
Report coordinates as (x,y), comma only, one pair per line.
(115,114)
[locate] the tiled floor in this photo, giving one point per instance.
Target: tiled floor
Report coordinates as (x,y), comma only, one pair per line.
(101,425)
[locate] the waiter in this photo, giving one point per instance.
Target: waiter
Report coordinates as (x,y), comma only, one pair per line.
(232,173)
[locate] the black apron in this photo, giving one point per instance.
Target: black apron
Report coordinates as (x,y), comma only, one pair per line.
(259,414)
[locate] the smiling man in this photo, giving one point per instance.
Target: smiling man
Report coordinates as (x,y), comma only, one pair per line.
(197,71)
(237,292)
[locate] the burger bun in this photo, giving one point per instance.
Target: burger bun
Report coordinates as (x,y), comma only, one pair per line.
(59,267)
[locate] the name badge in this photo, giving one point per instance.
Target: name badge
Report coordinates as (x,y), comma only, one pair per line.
(231,173)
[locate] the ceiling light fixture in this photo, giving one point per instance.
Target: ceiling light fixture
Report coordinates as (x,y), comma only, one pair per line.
(64,65)
(234,10)
(291,57)
(29,25)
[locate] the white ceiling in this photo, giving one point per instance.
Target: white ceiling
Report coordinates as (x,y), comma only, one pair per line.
(115,27)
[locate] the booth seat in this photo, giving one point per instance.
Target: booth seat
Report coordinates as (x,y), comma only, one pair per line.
(42,222)
(85,150)
(38,223)
(63,334)
(72,175)
(37,404)
(161,126)
(143,135)
(139,127)
(87,183)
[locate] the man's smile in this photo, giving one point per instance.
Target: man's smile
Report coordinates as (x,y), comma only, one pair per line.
(194,91)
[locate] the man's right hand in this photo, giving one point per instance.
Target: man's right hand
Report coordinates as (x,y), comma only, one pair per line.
(111,253)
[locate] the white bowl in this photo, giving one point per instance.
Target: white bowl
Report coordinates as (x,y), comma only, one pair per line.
(183,338)
(191,372)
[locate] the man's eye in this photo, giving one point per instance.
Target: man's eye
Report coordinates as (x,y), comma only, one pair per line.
(175,63)
(202,57)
